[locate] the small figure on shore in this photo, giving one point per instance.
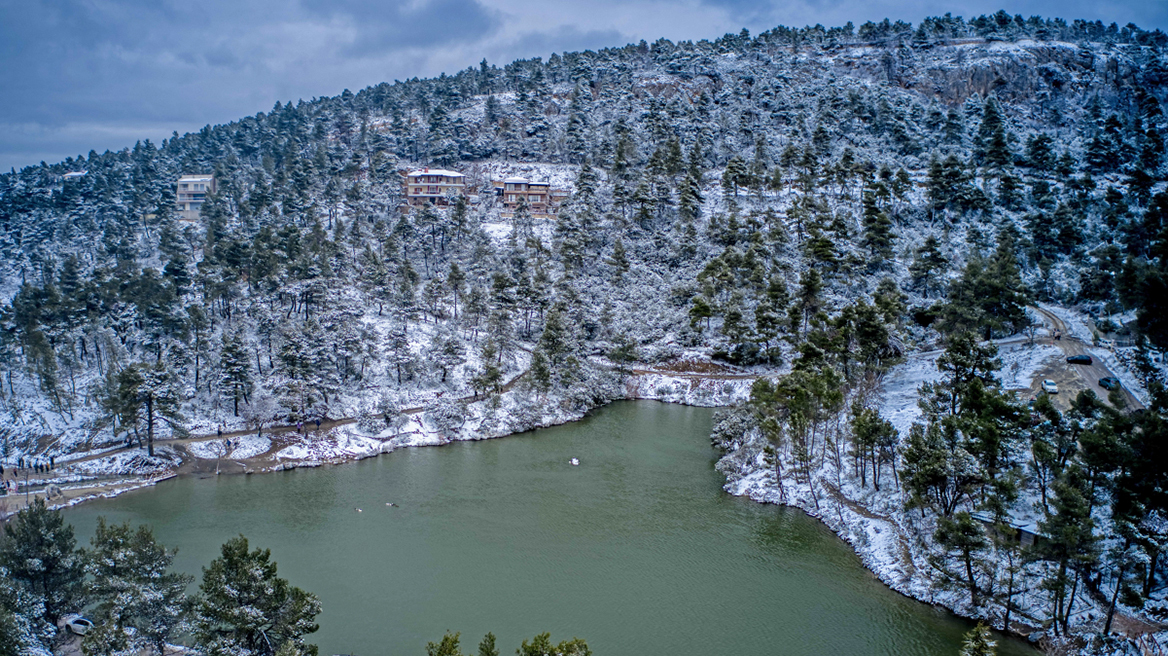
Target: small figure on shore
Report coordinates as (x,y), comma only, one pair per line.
(220,432)
(52,462)
(318,424)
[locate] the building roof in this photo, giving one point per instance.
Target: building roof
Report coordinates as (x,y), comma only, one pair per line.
(1029,527)
(515,181)
(74,174)
(449,174)
(197,177)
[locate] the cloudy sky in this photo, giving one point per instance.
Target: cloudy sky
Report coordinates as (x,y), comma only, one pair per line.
(77,75)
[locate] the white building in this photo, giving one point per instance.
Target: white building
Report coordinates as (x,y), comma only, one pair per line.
(433,186)
(192,191)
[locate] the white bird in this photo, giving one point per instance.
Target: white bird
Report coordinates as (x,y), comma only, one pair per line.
(574,462)
(358,510)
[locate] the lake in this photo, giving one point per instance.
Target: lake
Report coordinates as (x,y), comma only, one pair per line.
(638,549)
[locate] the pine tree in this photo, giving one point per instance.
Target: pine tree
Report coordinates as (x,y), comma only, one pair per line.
(963,534)
(456,283)
(928,262)
(235,370)
(736,175)
(541,645)
(447,646)
(978,643)
(39,553)
(399,356)
(619,260)
(134,589)
(490,376)
(878,237)
(487,646)
(244,609)
(1069,541)
(149,389)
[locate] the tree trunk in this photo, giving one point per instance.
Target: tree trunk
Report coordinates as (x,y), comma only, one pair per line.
(968,557)
(1114,598)
(150,426)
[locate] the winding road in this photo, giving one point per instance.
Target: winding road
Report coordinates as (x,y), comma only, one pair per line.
(1088,374)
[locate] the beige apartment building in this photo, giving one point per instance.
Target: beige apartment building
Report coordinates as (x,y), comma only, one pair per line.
(192,191)
(433,187)
(542,200)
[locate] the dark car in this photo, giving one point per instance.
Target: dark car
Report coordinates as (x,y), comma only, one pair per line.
(1109,383)
(1079,359)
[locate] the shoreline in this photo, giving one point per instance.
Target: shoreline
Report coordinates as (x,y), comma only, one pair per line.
(880,543)
(350,443)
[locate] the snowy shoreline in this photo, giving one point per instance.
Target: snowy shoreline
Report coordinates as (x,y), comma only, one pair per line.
(879,534)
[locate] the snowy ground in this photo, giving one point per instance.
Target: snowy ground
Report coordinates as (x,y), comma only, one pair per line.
(130,462)
(875,522)
(1020,361)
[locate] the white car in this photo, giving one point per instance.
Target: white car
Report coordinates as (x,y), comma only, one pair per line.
(77,624)
(1049,386)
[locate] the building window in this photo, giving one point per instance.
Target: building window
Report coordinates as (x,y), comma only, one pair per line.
(535,199)
(182,186)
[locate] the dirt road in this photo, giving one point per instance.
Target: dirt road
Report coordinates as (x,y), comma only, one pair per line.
(1071,378)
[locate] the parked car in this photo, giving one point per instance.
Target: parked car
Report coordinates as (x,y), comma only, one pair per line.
(1079,359)
(1109,383)
(1049,386)
(77,625)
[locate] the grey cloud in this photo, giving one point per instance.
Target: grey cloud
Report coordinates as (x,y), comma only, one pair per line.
(384,25)
(82,74)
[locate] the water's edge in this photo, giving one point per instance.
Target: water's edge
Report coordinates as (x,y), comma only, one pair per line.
(865,553)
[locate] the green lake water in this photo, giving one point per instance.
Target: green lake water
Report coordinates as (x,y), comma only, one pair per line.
(638,550)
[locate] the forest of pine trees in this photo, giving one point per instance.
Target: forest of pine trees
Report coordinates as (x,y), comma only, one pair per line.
(816,202)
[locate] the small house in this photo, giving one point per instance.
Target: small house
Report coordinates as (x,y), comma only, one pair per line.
(1025,534)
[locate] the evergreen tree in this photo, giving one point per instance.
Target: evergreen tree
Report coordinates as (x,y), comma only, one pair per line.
(235,370)
(978,643)
(989,297)
(541,645)
(134,589)
(487,646)
(1069,541)
(244,609)
(147,393)
(736,175)
(447,646)
(963,534)
(39,553)
(928,262)
(878,237)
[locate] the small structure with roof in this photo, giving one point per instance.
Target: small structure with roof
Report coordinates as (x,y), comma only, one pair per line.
(74,176)
(1025,534)
(433,187)
(191,193)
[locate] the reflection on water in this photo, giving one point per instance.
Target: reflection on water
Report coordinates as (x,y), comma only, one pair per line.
(637,550)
